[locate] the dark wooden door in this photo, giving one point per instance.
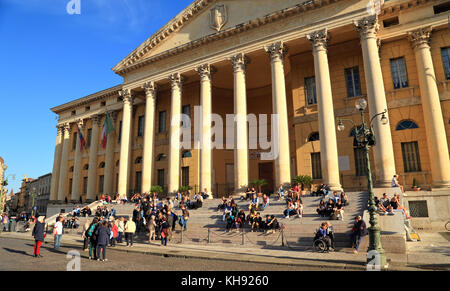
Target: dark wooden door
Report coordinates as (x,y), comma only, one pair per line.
(266,173)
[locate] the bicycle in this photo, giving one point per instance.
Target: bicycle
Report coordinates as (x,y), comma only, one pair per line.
(447,225)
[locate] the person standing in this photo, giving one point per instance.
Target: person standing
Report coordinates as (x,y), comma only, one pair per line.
(92,239)
(58,232)
(114,231)
(121,229)
(84,236)
(184,217)
(130,229)
(39,236)
(103,233)
(358,232)
(164,231)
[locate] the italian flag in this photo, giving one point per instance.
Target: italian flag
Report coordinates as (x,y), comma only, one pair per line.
(108,127)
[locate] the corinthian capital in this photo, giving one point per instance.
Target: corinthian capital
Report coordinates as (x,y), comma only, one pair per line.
(206,71)
(319,39)
(112,115)
(276,51)
(96,120)
(150,89)
(367,27)
(176,80)
(60,129)
(127,96)
(239,62)
(67,128)
(419,37)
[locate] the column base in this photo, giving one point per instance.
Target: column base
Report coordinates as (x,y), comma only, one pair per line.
(336,187)
(383,184)
(440,185)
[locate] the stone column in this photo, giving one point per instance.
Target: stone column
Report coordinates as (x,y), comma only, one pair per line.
(125,142)
(77,168)
(432,112)
(56,165)
(150,106)
(109,157)
(277,51)
(176,82)
(327,124)
(239,62)
(206,71)
(64,160)
(383,151)
(93,158)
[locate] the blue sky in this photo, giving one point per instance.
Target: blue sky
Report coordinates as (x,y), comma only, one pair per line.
(49,57)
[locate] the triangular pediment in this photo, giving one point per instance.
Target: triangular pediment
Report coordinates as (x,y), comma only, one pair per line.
(205,18)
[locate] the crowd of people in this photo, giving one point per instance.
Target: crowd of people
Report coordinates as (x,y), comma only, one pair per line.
(332,206)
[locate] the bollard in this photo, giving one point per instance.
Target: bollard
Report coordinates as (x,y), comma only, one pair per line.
(243,238)
(209,235)
(282,238)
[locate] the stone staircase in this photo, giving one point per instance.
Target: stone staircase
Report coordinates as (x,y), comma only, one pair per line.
(206,222)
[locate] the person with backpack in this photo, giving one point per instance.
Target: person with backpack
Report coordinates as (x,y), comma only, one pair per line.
(90,233)
(103,234)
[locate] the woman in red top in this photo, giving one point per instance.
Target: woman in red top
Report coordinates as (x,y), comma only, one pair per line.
(115,232)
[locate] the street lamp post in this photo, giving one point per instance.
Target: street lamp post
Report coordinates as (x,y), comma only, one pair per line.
(33,195)
(3,183)
(365,139)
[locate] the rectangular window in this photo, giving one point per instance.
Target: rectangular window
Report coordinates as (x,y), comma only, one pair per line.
(187,111)
(310,90)
(353,83)
(89,137)
(411,157)
(120,132)
(138,182)
(74,141)
(141,124)
(316,166)
(70,186)
(101,181)
(399,74)
(360,162)
(185,176)
(162,122)
(446,61)
(85,184)
(444,7)
(161,177)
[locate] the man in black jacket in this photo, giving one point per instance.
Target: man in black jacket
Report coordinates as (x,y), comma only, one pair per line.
(359,231)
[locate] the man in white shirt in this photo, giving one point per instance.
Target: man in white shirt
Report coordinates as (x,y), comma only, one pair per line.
(396,184)
(57,232)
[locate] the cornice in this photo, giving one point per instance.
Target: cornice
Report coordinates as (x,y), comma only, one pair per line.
(88,99)
(396,6)
(131,62)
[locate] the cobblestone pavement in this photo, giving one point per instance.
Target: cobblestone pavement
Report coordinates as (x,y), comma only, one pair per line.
(16,255)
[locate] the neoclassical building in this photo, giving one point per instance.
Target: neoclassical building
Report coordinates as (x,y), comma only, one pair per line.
(308,62)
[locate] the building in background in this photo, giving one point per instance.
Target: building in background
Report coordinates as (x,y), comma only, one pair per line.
(306,61)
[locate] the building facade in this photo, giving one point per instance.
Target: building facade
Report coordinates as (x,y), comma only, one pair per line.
(307,62)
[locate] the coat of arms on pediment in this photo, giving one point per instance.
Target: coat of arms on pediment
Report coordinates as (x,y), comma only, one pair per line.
(218,17)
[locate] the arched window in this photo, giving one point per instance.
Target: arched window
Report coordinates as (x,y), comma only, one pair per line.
(138,160)
(86,167)
(161,157)
(186,154)
(406,124)
(314,136)
(102,165)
